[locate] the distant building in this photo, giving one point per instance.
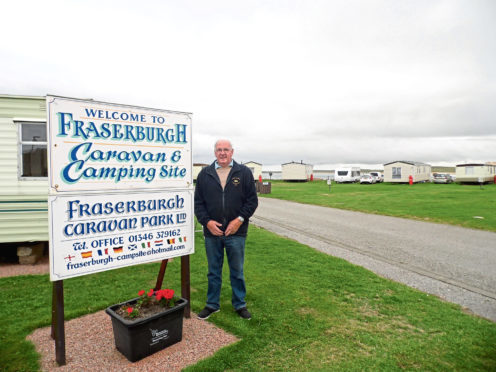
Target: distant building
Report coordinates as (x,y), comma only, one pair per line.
(323,172)
(296,171)
(23,169)
(197,167)
(475,173)
(256,169)
(401,170)
(271,172)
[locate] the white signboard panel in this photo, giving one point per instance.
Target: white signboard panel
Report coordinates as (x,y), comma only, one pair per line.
(92,233)
(96,146)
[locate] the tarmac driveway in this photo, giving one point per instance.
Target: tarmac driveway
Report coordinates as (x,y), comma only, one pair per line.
(454,263)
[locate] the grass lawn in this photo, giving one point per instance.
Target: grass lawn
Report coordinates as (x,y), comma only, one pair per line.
(311,312)
(455,204)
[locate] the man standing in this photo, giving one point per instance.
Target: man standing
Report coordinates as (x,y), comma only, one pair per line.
(225,198)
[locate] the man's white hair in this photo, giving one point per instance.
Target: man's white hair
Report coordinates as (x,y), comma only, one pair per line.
(222,139)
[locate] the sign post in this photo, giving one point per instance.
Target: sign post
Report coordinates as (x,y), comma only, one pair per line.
(120,192)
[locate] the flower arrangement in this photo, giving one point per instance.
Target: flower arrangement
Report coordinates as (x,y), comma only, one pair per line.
(148,303)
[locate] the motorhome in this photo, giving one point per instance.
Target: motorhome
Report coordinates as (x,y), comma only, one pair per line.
(350,174)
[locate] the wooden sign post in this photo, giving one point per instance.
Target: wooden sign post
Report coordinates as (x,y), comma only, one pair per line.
(120,193)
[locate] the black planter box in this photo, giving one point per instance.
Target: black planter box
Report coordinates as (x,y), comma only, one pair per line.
(137,339)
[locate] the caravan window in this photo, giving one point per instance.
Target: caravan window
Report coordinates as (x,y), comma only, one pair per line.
(396,172)
(342,173)
(33,150)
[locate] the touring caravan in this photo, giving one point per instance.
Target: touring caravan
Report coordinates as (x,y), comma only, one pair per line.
(350,174)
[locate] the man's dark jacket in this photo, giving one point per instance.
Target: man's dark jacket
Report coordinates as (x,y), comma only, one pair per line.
(239,197)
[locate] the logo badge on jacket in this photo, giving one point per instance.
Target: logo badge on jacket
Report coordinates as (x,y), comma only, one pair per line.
(236,181)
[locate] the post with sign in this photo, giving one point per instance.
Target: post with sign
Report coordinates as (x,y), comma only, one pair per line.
(120,192)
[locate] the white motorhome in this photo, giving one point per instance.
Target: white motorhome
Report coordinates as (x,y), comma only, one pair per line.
(349,174)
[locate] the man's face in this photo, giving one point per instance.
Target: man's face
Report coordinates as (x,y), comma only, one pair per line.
(223,153)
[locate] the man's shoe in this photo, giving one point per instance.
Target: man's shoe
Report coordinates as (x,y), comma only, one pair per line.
(244,313)
(206,312)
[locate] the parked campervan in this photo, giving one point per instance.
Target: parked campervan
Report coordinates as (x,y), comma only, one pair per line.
(350,174)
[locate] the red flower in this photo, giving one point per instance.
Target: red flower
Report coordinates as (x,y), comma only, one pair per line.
(159,295)
(129,310)
(141,293)
(168,293)
(150,293)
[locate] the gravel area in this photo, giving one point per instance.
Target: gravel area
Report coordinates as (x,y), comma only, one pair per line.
(90,346)
(12,269)
(90,340)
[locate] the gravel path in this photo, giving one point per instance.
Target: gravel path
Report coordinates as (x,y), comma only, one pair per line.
(456,264)
(9,269)
(90,347)
(90,340)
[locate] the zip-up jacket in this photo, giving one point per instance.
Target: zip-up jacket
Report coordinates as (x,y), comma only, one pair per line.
(239,197)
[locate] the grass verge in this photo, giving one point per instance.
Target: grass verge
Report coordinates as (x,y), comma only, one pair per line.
(455,204)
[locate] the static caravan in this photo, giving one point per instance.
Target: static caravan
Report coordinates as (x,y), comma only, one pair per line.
(475,173)
(296,171)
(197,167)
(348,174)
(256,169)
(23,169)
(400,171)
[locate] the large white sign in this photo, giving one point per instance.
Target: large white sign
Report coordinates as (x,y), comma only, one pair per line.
(91,233)
(120,186)
(97,146)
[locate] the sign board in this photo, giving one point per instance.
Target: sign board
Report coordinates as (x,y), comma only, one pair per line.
(91,233)
(96,146)
(120,186)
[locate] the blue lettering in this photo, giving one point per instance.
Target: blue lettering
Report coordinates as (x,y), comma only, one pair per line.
(181,133)
(90,112)
(105,131)
(116,131)
(63,124)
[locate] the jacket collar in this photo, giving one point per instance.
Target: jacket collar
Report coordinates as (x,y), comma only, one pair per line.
(211,169)
(217,166)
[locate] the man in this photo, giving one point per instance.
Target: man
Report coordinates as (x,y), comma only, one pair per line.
(225,198)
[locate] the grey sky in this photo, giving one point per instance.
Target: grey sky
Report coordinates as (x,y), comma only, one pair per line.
(318,81)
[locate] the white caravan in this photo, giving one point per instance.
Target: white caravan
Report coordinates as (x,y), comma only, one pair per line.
(350,174)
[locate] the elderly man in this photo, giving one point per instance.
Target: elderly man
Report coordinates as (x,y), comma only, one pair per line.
(225,198)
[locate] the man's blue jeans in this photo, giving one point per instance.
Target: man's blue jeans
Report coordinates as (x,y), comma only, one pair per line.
(235,250)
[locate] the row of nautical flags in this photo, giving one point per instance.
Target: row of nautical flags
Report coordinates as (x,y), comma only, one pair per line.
(131,247)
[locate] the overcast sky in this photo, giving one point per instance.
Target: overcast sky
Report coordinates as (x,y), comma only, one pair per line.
(345,82)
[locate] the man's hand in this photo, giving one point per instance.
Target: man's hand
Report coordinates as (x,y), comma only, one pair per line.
(213,227)
(233,226)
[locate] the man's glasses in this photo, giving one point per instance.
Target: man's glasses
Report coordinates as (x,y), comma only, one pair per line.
(223,150)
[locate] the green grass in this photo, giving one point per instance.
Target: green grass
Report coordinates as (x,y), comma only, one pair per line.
(311,312)
(451,204)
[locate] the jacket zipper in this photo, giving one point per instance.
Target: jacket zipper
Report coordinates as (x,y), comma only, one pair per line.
(223,210)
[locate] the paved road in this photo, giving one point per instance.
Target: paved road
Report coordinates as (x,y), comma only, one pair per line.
(454,263)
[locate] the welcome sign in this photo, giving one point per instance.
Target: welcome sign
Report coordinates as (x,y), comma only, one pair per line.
(120,186)
(92,234)
(103,146)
